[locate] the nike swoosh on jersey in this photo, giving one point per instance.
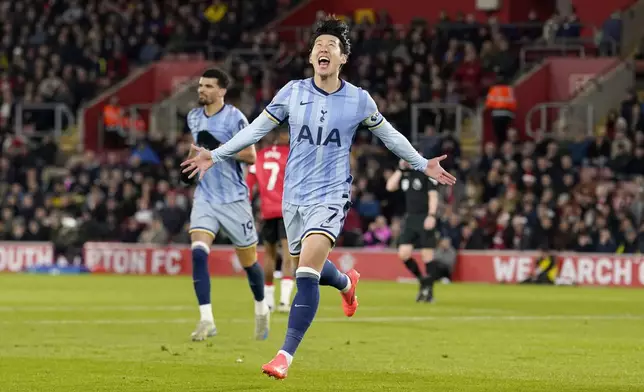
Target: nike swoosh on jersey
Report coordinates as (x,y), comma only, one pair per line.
(305,103)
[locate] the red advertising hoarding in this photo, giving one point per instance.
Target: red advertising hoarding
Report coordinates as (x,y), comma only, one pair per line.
(472,266)
(16,256)
(589,269)
(176,260)
(154,84)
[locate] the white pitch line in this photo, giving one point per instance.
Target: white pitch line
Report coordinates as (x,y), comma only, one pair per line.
(97,308)
(182,308)
(392,319)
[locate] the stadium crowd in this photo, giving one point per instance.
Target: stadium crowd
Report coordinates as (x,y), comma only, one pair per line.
(582,194)
(68,51)
(453,61)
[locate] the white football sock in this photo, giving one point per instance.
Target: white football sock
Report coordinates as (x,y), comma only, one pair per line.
(269,296)
(261,307)
(206,312)
(348,286)
(286,289)
(289,357)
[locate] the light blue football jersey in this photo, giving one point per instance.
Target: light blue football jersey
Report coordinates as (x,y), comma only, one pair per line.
(322,129)
(225,182)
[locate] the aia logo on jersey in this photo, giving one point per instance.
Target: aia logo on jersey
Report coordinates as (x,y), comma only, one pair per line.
(317,139)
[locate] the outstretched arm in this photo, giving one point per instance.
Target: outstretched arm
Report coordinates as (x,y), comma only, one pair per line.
(399,145)
(274,114)
(244,138)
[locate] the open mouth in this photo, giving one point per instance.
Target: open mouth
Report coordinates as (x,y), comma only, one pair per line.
(324,62)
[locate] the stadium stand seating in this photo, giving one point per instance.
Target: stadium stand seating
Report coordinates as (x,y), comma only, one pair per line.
(582,195)
(70,51)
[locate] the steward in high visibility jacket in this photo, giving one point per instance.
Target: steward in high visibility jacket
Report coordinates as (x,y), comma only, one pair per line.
(502,103)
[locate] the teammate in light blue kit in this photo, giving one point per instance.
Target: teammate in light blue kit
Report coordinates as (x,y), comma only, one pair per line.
(323,114)
(221,202)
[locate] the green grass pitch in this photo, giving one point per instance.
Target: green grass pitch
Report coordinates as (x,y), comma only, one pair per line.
(128,333)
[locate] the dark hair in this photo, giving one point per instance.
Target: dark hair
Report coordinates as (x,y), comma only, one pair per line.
(333,26)
(223,79)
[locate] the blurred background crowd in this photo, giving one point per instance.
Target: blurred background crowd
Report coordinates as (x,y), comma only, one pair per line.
(581,193)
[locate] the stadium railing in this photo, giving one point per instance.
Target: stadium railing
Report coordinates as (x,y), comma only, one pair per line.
(137,112)
(463,115)
(63,118)
(606,91)
(164,118)
(587,108)
(565,115)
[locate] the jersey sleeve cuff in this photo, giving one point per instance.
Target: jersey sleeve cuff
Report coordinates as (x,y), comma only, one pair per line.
(214,156)
(421,165)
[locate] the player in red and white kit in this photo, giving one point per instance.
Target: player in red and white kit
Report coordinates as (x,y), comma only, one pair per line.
(268,174)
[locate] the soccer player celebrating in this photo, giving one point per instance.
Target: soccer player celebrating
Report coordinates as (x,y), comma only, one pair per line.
(221,202)
(323,114)
(268,174)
